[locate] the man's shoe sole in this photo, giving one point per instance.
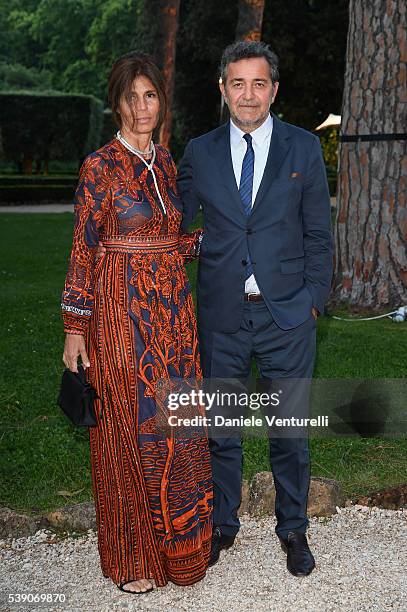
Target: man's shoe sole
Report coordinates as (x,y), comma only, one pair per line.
(300,574)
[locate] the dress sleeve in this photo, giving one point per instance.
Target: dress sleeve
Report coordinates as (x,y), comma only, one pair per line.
(91,199)
(190,244)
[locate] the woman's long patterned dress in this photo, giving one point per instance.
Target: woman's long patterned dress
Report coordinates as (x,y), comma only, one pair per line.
(153,495)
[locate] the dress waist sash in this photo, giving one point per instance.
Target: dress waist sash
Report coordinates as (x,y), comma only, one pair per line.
(147,244)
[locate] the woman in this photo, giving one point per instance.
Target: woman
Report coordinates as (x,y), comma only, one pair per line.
(130,318)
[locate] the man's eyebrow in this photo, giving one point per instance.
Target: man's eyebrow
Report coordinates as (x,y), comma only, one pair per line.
(255,79)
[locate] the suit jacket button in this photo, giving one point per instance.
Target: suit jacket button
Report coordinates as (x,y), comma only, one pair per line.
(244,262)
(249,231)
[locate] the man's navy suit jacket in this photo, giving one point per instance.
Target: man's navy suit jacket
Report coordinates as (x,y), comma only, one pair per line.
(288,233)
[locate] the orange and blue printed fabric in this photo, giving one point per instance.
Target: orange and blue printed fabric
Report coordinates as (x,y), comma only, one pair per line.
(153,494)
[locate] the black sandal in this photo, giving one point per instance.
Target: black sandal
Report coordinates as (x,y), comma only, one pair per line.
(123,584)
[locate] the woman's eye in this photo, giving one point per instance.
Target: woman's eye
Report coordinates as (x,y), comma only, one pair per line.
(151,94)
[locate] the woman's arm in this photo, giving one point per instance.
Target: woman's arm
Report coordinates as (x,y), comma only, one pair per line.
(91,199)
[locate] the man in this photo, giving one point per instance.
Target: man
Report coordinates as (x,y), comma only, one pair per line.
(264,274)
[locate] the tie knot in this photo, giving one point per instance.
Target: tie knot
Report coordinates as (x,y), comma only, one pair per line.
(248,138)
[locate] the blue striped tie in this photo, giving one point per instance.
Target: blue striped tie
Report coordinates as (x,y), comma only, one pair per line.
(246,187)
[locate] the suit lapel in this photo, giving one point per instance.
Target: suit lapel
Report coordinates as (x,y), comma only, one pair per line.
(279,147)
(223,159)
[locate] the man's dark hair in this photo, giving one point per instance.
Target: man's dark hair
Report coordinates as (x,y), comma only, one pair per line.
(245,50)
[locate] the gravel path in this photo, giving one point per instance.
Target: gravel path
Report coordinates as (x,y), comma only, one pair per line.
(361,556)
(37,208)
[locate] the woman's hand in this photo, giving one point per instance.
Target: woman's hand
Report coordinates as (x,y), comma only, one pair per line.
(101,250)
(75,347)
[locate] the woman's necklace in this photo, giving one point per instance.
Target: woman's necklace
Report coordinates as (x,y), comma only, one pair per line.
(150,165)
(140,154)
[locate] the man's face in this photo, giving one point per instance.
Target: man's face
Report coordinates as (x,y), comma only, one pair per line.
(249,92)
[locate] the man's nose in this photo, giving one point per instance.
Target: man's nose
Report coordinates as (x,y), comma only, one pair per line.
(248,93)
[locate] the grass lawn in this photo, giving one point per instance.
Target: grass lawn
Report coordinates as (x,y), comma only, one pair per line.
(45,460)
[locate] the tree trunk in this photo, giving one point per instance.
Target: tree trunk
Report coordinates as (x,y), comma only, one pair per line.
(168,13)
(248,27)
(371,225)
(250,19)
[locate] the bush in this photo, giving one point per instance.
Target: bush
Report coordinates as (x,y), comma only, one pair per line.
(43,126)
(22,194)
(109,127)
(330,144)
(17,76)
(34,180)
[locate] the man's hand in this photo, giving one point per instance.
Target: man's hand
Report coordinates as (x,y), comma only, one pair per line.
(75,347)
(315,312)
(100,251)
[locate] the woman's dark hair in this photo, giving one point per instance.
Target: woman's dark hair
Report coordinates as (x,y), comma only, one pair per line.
(124,71)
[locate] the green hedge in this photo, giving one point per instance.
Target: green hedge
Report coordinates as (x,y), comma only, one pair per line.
(109,127)
(24,194)
(38,180)
(44,126)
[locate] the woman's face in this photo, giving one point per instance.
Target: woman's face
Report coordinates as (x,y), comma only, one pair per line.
(139,113)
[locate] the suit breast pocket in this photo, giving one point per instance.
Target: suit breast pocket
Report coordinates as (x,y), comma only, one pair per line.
(292,266)
(292,185)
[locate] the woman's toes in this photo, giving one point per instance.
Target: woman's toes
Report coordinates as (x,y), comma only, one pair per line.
(147,585)
(138,586)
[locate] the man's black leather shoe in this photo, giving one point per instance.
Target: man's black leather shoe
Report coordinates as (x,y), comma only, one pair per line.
(219,542)
(300,561)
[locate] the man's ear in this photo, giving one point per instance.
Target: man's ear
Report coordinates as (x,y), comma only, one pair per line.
(275,90)
(222,89)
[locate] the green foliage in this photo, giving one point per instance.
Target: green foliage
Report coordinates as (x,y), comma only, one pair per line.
(17,76)
(17,44)
(83,77)
(330,142)
(73,132)
(76,41)
(113,31)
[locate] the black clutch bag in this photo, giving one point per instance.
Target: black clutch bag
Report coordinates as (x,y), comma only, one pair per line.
(76,398)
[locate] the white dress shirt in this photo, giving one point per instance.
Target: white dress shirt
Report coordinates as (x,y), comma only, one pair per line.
(261,138)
